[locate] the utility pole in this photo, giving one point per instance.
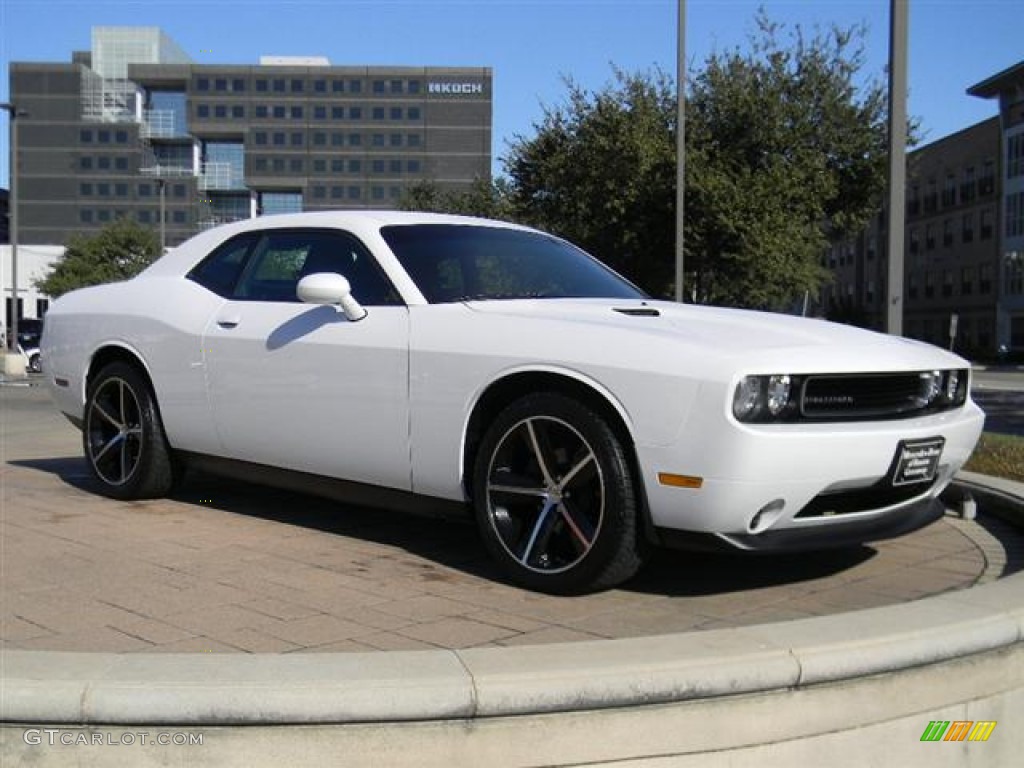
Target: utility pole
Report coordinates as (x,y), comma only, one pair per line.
(13,362)
(680,145)
(898,22)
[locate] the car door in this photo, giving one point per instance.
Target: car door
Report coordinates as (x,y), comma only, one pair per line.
(300,386)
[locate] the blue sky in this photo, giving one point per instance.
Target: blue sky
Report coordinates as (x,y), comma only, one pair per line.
(533,44)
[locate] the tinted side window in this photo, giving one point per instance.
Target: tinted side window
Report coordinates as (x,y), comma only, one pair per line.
(219,271)
(284,257)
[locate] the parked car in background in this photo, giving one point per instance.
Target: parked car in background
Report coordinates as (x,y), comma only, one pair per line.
(458,364)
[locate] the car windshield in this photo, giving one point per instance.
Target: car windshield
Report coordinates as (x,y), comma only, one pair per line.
(450,262)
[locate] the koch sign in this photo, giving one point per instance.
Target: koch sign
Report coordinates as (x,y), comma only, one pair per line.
(455,89)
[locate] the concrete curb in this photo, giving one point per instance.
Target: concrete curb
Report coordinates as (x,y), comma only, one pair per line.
(270,689)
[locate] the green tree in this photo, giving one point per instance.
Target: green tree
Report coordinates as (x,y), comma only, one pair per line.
(601,173)
(785,147)
(117,252)
(484,198)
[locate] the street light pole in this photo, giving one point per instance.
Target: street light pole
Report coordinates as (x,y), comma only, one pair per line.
(12,339)
(680,145)
(898,20)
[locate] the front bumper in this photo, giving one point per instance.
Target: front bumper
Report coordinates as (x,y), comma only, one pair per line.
(800,486)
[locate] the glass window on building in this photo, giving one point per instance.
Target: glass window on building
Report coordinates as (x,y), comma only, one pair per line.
(261,85)
(143,217)
(947,232)
(337,113)
(203,110)
(278,85)
(296,113)
(295,165)
(297,86)
(415,166)
(378,139)
(145,190)
(395,166)
(986,224)
(355,113)
(238,85)
(337,165)
(378,86)
(377,193)
(395,139)
(279,202)
(319,112)
(85,137)
(354,193)
(355,140)
(319,166)
(223,164)
(279,139)
(395,113)
(103,189)
(413,140)
(238,112)
(179,217)
(967,277)
(280,112)
(121,163)
(414,86)
(414,113)
(337,192)
(1013,274)
(319,192)
(1015,156)
(337,86)
(337,139)
(220,84)
(355,86)
(396,86)
(103,137)
(85,189)
(355,166)
(261,110)
(179,190)
(103,214)
(1017,331)
(967,228)
(297,139)
(221,111)
(985,279)
(1015,215)
(320,86)
(202,84)
(103,163)
(378,113)
(319,139)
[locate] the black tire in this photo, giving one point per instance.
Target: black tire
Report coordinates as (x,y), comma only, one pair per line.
(123,436)
(566,522)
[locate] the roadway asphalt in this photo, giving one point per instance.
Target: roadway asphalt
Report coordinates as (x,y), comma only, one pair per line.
(222,567)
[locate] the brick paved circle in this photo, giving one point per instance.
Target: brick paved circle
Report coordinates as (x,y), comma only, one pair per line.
(226,568)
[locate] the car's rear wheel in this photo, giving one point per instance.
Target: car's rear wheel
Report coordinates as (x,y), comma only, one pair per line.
(123,436)
(555,497)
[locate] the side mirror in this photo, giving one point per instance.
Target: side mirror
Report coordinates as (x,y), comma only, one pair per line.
(330,288)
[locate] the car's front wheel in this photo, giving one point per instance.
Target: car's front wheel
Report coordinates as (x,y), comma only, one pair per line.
(123,436)
(555,497)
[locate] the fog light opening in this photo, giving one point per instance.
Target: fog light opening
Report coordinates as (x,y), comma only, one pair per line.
(766,516)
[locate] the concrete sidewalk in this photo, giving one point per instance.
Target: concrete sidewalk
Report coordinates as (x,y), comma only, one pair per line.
(222,568)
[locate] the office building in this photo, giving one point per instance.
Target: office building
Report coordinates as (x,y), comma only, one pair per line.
(963,239)
(133,128)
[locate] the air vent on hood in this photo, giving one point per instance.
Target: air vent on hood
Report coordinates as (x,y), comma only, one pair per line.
(638,311)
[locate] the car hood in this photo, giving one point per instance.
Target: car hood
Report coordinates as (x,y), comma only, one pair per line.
(758,339)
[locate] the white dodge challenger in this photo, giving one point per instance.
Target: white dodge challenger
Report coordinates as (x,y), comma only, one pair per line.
(449,363)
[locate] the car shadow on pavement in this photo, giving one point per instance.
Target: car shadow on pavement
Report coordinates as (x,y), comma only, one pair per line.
(455,544)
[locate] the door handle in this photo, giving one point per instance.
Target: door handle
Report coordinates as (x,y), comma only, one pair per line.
(229,321)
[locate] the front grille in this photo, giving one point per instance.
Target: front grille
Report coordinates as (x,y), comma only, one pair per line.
(856,500)
(866,396)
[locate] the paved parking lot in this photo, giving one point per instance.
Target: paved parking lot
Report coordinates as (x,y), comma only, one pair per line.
(226,568)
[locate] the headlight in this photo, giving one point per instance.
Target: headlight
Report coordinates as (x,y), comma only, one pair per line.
(778,394)
(765,398)
(747,398)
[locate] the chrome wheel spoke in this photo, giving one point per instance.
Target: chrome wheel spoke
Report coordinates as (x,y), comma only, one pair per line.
(538,454)
(580,466)
(582,530)
(517,490)
(97,408)
(109,444)
(544,520)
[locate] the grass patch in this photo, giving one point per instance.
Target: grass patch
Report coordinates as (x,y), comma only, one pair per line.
(998,455)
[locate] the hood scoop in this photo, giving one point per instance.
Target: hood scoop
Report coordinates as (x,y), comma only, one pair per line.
(637,311)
